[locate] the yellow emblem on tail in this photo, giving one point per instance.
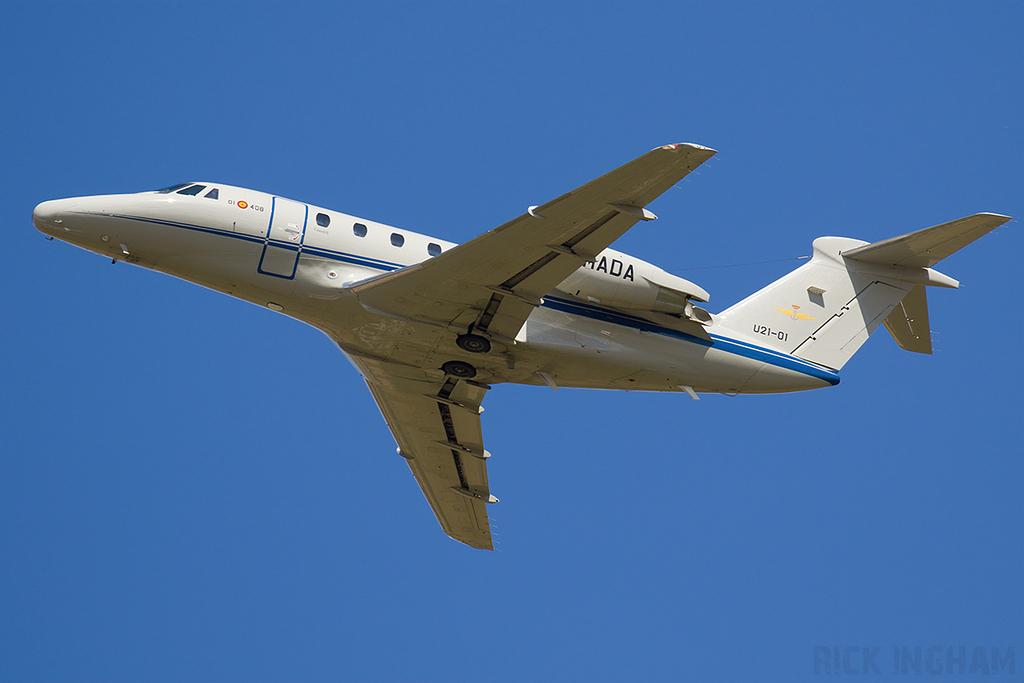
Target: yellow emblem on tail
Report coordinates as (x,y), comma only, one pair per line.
(795,313)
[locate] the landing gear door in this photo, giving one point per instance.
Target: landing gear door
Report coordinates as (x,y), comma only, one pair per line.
(284,238)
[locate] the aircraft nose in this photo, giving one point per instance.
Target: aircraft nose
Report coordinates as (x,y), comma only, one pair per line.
(47,217)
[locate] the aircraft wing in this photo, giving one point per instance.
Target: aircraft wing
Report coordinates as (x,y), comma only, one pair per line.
(436,423)
(492,283)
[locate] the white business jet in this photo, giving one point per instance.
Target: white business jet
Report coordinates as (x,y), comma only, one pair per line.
(540,300)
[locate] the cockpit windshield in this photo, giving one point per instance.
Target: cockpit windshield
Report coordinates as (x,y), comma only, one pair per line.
(192,189)
(172,188)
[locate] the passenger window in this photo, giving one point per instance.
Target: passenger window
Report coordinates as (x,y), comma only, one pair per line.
(213,194)
(359,230)
(194,190)
(397,239)
(323,220)
(433,249)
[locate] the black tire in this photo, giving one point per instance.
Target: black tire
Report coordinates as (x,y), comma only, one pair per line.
(473,343)
(457,368)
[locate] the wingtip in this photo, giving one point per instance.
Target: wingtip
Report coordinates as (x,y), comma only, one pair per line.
(689,145)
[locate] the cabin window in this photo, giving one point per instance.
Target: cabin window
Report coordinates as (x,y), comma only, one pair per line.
(213,194)
(194,190)
(433,249)
(397,239)
(323,220)
(359,230)
(172,188)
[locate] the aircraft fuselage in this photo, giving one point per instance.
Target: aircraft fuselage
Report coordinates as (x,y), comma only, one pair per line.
(614,324)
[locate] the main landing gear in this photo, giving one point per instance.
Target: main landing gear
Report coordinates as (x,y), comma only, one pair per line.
(473,343)
(460,369)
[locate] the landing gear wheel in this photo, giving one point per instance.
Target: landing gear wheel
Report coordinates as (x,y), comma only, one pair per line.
(456,368)
(473,343)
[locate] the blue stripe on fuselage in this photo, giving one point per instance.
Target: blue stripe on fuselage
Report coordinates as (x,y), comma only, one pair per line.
(586,310)
(744,349)
(365,261)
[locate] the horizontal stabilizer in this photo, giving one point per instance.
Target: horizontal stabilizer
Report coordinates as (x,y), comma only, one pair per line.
(925,248)
(908,322)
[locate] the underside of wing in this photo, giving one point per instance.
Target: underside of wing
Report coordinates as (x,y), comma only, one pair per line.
(491,284)
(436,424)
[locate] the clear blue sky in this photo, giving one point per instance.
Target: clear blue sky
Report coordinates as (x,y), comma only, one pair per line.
(194,488)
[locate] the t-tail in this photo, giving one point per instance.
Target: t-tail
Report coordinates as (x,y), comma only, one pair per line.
(823,311)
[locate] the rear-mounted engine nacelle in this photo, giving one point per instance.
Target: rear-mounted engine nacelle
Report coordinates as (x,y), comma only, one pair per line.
(620,281)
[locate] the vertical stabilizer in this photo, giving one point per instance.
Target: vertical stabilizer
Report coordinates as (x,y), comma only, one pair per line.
(823,311)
